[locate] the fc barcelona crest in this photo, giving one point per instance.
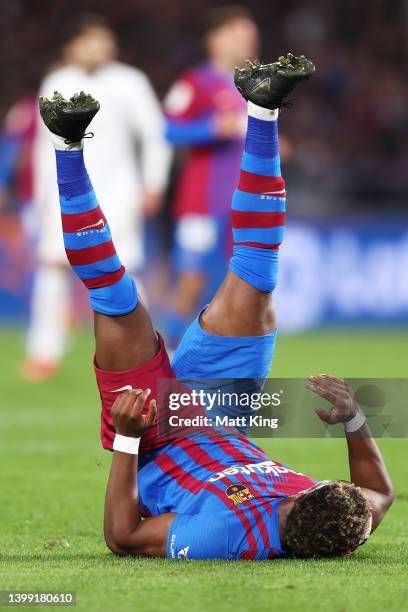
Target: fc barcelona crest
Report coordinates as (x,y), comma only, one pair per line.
(238,493)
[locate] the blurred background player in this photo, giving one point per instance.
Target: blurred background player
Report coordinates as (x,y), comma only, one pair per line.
(16,144)
(17,225)
(130,173)
(206,114)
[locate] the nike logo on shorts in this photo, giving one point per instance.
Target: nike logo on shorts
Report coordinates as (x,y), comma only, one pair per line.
(125,388)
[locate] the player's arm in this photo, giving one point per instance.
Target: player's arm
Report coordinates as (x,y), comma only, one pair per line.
(203,130)
(367,467)
(147,122)
(11,142)
(125,532)
(190,121)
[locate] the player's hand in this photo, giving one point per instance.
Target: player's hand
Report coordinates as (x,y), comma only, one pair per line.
(338,393)
(151,203)
(127,416)
(229,124)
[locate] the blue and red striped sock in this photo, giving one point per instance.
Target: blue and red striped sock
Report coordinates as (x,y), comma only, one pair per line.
(88,241)
(258,204)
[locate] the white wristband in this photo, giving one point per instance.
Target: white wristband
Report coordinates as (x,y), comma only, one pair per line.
(355,423)
(125,444)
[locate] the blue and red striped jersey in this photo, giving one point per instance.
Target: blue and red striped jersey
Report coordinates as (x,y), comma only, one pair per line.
(225,491)
(211,168)
(16,148)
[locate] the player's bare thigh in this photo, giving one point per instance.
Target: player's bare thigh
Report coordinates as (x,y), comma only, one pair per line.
(239,309)
(124,343)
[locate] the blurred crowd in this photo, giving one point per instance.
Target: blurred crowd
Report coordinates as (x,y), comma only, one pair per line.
(346,139)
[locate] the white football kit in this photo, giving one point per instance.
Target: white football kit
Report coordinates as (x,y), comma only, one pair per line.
(127,156)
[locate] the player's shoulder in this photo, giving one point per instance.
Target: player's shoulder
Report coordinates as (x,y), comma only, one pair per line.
(21,117)
(194,74)
(187,93)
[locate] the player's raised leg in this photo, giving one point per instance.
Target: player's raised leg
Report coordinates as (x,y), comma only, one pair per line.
(124,334)
(235,336)
(243,305)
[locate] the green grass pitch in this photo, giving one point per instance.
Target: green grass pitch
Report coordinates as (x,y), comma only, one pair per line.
(53,475)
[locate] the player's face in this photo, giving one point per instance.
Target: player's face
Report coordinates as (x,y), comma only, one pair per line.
(92,49)
(236,41)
